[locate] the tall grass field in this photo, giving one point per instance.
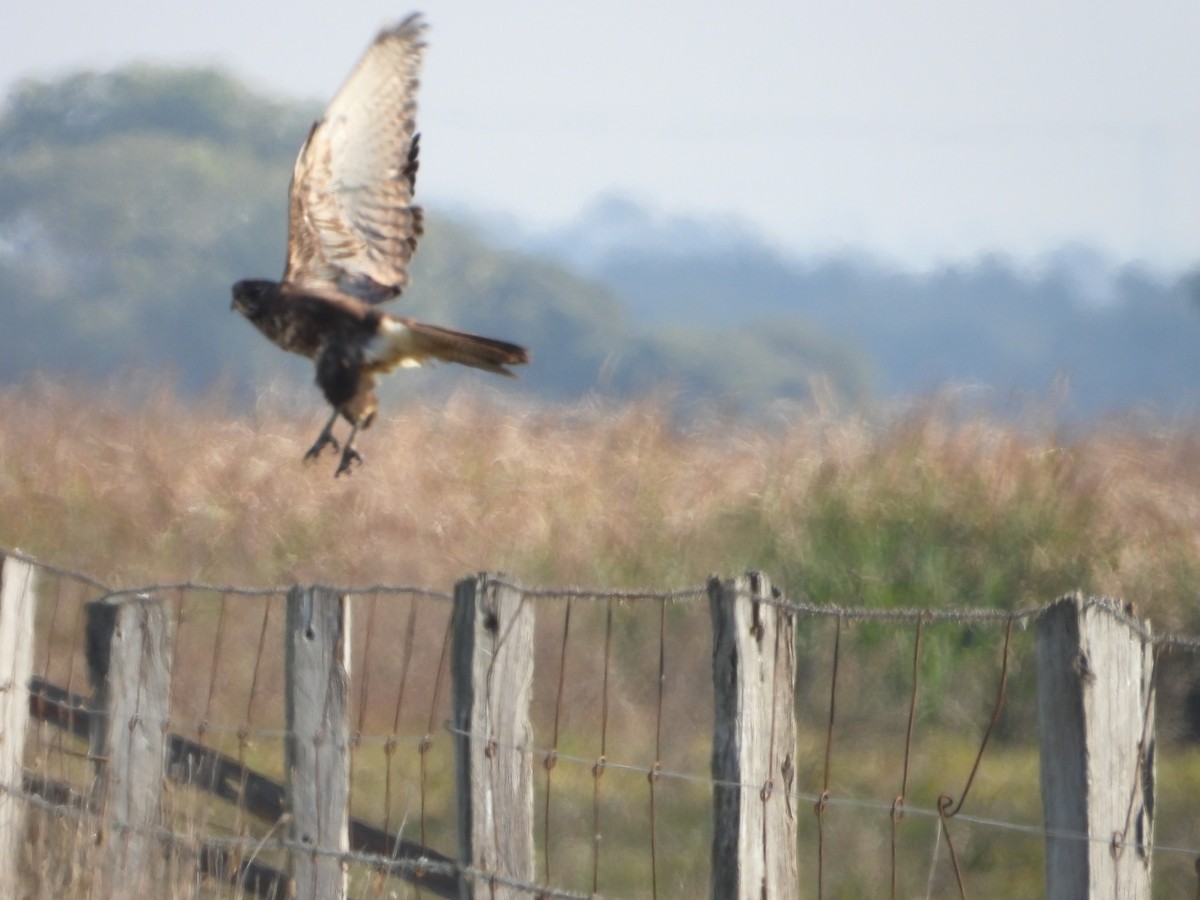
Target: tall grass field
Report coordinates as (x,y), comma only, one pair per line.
(928,507)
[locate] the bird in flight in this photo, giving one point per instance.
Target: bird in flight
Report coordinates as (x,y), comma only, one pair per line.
(352,232)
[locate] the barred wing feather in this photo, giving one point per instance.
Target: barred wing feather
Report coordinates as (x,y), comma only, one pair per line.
(352,222)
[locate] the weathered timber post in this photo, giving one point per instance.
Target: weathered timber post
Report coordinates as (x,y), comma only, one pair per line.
(317,747)
(754,851)
(492,666)
(129,655)
(1096,719)
(16,666)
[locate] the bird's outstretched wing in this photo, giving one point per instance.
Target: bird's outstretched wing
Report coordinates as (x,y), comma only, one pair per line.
(352,222)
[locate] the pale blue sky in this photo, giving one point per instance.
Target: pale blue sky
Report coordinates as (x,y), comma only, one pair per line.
(923,131)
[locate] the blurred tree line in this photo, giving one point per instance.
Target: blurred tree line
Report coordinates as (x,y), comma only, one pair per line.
(1091,338)
(131,200)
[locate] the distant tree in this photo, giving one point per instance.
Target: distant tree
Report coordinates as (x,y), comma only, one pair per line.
(186,102)
(128,203)
(1189,285)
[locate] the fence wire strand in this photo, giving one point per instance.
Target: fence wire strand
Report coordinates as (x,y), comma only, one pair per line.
(389,748)
(184,843)
(239,840)
(899,803)
(551,756)
(823,800)
(849,614)
(601,761)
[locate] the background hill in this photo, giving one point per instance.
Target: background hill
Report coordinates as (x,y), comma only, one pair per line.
(1098,335)
(131,200)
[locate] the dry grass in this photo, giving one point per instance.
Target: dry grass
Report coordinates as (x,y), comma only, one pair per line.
(923,509)
(164,492)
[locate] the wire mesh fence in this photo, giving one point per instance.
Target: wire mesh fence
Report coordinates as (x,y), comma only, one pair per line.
(915,773)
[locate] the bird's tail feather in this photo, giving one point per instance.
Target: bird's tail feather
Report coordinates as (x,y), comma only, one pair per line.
(473,350)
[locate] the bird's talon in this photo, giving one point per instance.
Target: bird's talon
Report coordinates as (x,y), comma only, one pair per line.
(322,442)
(349,456)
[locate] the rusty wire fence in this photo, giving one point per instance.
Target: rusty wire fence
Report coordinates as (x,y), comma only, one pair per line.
(916,770)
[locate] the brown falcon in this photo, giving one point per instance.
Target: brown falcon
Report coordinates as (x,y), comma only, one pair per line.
(352,231)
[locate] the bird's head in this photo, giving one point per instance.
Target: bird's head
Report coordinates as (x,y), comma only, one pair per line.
(252,297)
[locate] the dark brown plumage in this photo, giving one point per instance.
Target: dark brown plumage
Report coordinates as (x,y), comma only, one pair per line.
(352,232)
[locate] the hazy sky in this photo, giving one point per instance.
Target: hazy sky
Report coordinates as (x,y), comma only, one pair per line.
(920,130)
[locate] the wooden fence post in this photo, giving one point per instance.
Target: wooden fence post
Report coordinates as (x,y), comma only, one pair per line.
(129,655)
(16,666)
(1096,720)
(492,666)
(317,747)
(754,851)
